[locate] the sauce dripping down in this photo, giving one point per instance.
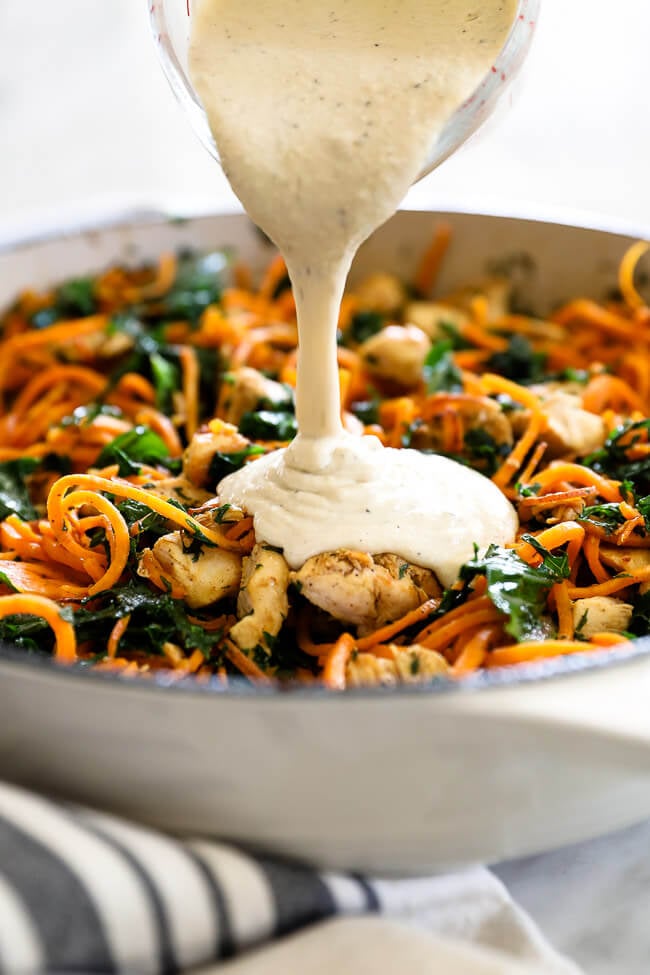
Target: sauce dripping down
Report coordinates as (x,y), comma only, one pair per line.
(323,116)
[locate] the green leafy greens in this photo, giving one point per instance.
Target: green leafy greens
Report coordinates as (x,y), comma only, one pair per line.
(612,459)
(363,326)
(440,372)
(155,619)
(223,464)
(519,361)
(14,496)
(517,589)
(268,425)
(606,516)
(73,298)
(135,447)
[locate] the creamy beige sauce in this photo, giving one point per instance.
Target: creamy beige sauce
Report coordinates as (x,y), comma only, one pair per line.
(323,115)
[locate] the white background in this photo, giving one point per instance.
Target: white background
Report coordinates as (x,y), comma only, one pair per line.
(87,119)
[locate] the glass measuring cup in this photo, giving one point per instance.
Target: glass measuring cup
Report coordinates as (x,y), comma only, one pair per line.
(171,20)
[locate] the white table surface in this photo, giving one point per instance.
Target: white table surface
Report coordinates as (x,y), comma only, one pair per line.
(87,123)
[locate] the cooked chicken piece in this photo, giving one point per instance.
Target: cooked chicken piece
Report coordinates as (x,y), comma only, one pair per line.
(365,669)
(415,663)
(363,591)
(478,413)
(600,614)
(206,576)
(431,316)
(552,516)
(104,345)
(409,665)
(569,386)
(569,428)
(496,290)
(248,389)
(423,579)
(396,353)
(213,513)
(381,292)
(179,489)
(215,437)
(625,559)
(263,603)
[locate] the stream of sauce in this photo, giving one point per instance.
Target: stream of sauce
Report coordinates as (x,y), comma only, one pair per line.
(324,113)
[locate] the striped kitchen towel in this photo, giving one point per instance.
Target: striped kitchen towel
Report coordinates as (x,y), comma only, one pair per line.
(82,891)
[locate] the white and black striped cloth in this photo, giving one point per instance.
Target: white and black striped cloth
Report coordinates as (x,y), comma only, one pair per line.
(81,891)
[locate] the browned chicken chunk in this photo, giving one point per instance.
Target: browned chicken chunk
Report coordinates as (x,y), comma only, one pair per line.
(263,603)
(397,353)
(179,489)
(474,413)
(362,590)
(381,292)
(601,614)
(205,577)
(408,666)
(248,389)
(215,437)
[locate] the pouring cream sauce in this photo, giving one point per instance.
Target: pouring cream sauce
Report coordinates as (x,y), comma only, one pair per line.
(324,113)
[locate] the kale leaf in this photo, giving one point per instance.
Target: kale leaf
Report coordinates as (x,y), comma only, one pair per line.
(643,507)
(441,374)
(165,376)
(517,589)
(485,453)
(606,516)
(72,299)
(155,619)
(199,283)
(223,464)
(639,625)
(268,425)
(612,460)
(150,521)
(452,333)
(363,326)
(135,447)
(158,361)
(150,357)
(77,297)
(14,496)
(519,361)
